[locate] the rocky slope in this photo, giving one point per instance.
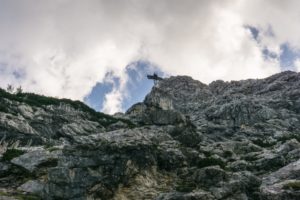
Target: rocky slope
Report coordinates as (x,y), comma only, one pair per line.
(186,141)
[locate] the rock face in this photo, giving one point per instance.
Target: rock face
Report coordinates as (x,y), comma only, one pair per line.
(187,140)
(283,184)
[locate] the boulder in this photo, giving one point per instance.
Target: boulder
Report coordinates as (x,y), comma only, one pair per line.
(35,159)
(282,184)
(32,186)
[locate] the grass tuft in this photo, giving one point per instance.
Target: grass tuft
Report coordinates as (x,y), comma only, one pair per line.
(11,154)
(295,185)
(210,161)
(41,100)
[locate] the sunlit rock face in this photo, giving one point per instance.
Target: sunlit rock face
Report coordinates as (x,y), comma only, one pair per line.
(186,140)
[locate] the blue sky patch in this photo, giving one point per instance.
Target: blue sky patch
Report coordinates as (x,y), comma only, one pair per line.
(96,98)
(137,86)
(254,32)
(288,56)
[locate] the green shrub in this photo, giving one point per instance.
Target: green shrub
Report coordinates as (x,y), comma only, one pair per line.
(20,196)
(295,185)
(3,109)
(41,100)
(51,149)
(289,137)
(263,143)
(227,154)
(27,197)
(49,163)
(210,161)
(11,154)
(185,186)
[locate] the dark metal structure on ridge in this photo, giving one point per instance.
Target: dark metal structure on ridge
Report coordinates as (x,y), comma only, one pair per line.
(155,78)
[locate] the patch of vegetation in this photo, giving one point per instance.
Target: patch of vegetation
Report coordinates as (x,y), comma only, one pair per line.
(41,100)
(3,108)
(271,164)
(263,143)
(51,149)
(20,196)
(250,158)
(289,137)
(49,163)
(227,154)
(48,145)
(11,154)
(185,186)
(2,194)
(295,185)
(207,153)
(9,117)
(210,161)
(27,197)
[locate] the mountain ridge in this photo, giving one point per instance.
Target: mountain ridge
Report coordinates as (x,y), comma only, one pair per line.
(186,140)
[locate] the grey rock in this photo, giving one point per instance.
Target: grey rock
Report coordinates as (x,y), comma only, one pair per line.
(4,168)
(186,140)
(32,186)
(34,159)
(7,198)
(209,176)
(159,99)
(197,195)
(276,185)
(239,165)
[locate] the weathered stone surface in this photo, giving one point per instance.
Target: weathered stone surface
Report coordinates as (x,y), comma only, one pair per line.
(282,184)
(185,141)
(32,160)
(32,186)
(159,99)
(198,195)
(210,176)
(7,198)
(4,168)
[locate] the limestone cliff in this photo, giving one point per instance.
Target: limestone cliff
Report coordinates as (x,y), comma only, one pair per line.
(186,141)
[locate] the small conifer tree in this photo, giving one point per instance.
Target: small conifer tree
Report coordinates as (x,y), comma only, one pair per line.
(10,88)
(19,90)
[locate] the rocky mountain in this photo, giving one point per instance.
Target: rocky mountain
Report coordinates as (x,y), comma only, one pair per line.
(187,140)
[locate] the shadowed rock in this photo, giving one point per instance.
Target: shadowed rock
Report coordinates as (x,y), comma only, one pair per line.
(186,140)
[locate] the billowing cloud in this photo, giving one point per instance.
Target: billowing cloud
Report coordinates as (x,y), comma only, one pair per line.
(297,65)
(64,47)
(113,100)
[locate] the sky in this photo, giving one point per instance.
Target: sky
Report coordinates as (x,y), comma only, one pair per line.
(100,51)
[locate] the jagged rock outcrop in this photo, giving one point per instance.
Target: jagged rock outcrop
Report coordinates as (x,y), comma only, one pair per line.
(283,184)
(187,140)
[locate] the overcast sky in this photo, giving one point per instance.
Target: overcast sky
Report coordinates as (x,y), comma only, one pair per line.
(79,49)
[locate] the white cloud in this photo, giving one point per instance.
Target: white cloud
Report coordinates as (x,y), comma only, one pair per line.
(297,65)
(63,47)
(113,100)
(276,17)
